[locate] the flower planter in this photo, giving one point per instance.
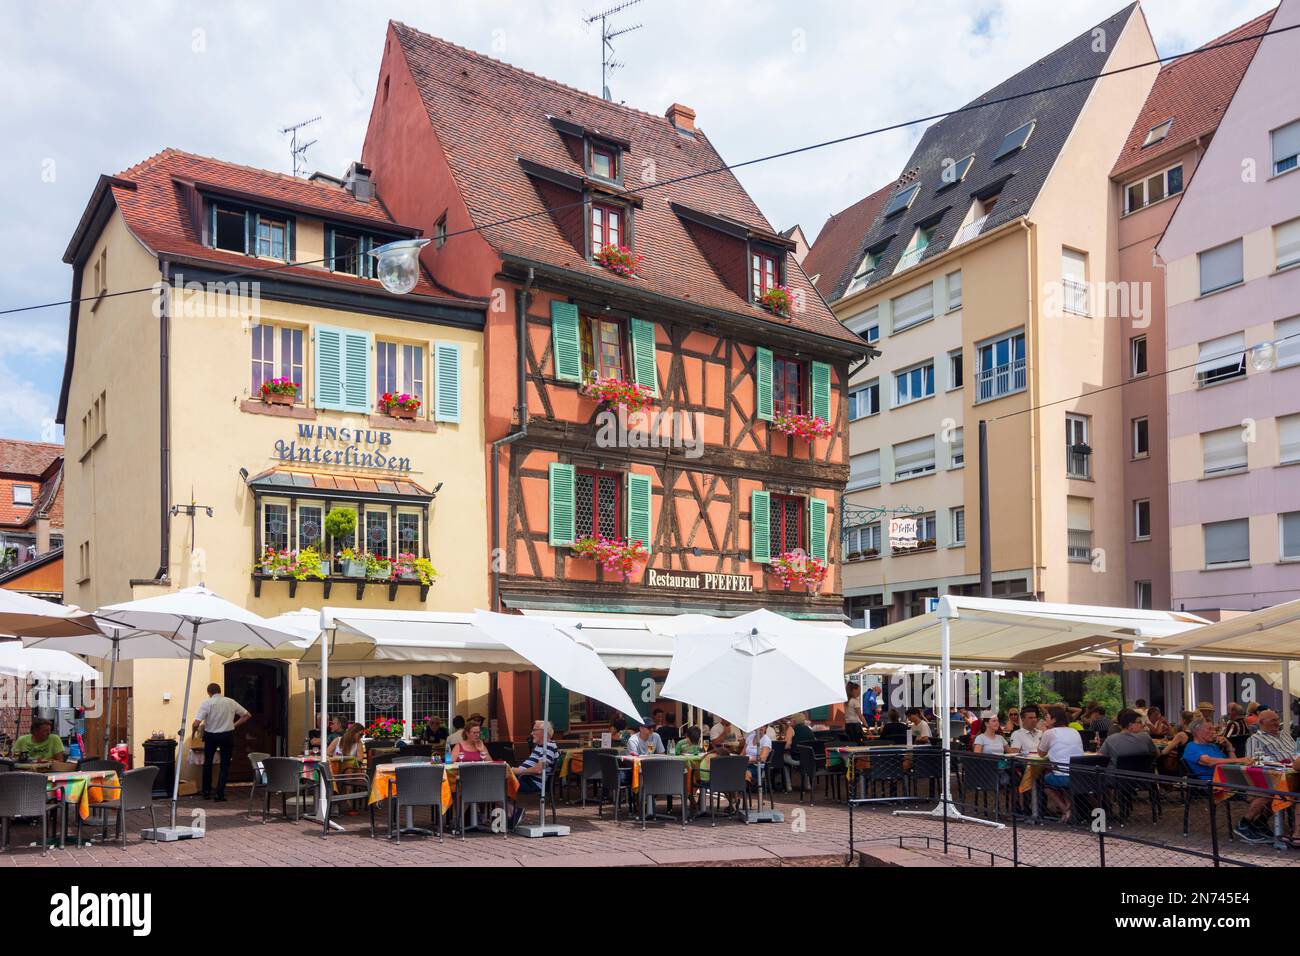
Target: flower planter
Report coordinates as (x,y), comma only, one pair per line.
(407,414)
(277,398)
(352,568)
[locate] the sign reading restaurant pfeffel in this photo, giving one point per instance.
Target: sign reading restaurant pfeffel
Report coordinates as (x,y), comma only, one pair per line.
(698,581)
(351,447)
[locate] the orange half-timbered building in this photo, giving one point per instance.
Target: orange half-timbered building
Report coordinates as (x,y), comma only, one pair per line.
(526,186)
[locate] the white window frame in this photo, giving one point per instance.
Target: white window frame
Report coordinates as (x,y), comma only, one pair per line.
(960,357)
(920,472)
(402,371)
(1134,454)
(1076,427)
(1282,538)
(1233,469)
(1286,342)
(957,449)
(1235,562)
(1138,587)
(1221,360)
(855,401)
(1288,161)
(1133,345)
(1279,263)
(1137,519)
(957,522)
(1200,267)
(26,488)
(954,305)
(1294,420)
(859,483)
(1163,176)
(1075,297)
(899,402)
(1011,373)
(298,370)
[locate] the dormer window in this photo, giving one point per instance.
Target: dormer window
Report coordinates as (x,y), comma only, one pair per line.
(249,232)
(901,200)
(272,237)
(229,230)
(607,226)
(955,172)
(866,268)
(916,248)
(1157,133)
(604,162)
(1015,141)
(765,273)
(348,252)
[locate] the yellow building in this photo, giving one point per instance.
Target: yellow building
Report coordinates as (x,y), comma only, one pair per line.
(986,278)
(173,399)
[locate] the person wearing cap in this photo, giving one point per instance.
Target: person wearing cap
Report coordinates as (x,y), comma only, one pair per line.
(645,741)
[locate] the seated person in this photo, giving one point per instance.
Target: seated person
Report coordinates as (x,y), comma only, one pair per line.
(689,742)
(666,725)
(990,740)
(437,732)
(729,732)
(41,745)
(801,733)
(1132,740)
(618,732)
(472,748)
(893,729)
(1025,738)
(758,747)
(349,745)
(1203,753)
(919,726)
(645,741)
(544,754)
(457,731)
(1060,742)
(1275,745)
(1157,725)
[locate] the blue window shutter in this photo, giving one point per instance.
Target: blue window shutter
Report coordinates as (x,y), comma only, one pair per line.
(356,371)
(644,370)
(817,528)
(821,390)
(565,342)
(760,527)
(329,368)
(763,383)
(561,504)
(447,368)
(639,497)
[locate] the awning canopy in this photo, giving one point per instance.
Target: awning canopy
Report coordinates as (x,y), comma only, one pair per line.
(1272,633)
(1015,635)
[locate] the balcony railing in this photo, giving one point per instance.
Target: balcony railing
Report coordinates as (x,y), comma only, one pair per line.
(910,259)
(1000,380)
(1079,545)
(1078,461)
(969,231)
(1075,297)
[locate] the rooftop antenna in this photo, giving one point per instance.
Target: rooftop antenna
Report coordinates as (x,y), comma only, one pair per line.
(607,34)
(297,151)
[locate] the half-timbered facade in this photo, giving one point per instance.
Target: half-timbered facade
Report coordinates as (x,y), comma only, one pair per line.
(618,253)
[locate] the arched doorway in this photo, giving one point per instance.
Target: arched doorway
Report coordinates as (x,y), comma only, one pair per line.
(261,687)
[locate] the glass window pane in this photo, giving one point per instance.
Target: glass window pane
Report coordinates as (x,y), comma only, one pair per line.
(309,526)
(383,698)
(341,699)
(275,526)
(430,697)
(377,533)
(584,498)
(408,532)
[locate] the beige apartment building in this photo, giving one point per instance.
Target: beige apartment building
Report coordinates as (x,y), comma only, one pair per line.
(983,280)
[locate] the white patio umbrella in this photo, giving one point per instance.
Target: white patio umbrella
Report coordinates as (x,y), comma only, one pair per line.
(27,663)
(195,610)
(563,654)
(757,667)
(24,616)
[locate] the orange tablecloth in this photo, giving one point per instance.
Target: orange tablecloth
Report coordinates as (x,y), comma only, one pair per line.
(1034,767)
(385,781)
(692,761)
(84,787)
(1286,781)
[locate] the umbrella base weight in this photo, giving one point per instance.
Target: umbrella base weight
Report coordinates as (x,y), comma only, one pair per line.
(764,816)
(171,834)
(541,830)
(953,814)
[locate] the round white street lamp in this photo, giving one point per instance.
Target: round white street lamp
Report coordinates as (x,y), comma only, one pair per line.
(399,264)
(1263,356)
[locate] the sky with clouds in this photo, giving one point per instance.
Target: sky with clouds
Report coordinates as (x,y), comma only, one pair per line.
(93,87)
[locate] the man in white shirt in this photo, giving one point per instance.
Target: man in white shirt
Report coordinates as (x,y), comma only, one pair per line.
(1025,738)
(218,716)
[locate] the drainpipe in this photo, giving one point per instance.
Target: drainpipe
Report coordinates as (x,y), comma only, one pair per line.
(521,410)
(164,426)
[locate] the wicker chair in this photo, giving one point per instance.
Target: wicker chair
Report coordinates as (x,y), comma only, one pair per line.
(283,777)
(726,776)
(134,792)
(591,769)
(662,778)
(613,783)
(417,786)
(23,794)
(96,763)
(480,783)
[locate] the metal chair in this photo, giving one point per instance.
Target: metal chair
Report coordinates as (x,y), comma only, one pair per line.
(283,777)
(96,763)
(612,781)
(1088,782)
(927,764)
(981,775)
(886,772)
(328,786)
(23,794)
(1127,787)
(134,792)
(662,777)
(810,772)
(776,768)
(417,786)
(259,778)
(480,783)
(591,769)
(501,750)
(726,777)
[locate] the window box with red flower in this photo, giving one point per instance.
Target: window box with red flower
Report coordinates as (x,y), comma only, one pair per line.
(400,405)
(279,391)
(612,392)
(615,555)
(796,568)
(801,425)
(778,300)
(618,259)
(386,728)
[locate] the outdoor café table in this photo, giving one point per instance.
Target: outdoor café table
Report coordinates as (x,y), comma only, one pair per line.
(858,757)
(82,789)
(1276,777)
(1033,767)
(384,781)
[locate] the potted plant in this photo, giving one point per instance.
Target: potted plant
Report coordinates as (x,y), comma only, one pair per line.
(797,568)
(400,405)
(618,259)
(275,563)
(386,728)
(424,570)
(615,555)
(854,556)
(279,391)
(340,524)
(800,425)
(613,392)
(352,563)
(778,300)
(377,568)
(308,564)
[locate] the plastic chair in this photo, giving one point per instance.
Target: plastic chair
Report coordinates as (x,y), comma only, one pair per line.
(417,786)
(662,778)
(480,783)
(22,794)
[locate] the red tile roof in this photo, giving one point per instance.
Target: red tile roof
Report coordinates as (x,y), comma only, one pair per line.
(27,458)
(40,465)
(837,248)
(1193,91)
(156,211)
(489,115)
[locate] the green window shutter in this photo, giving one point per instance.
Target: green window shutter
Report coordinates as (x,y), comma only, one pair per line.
(329,368)
(561,503)
(821,390)
(639,497)
(763,385)
(356,372)
(640,685)
(760,527)
(558,711)
(565,342)
(817,528)
(447,394)
(644,371)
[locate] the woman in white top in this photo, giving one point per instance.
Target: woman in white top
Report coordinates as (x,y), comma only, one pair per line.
(854,720)
(990,739)
(1059,743)
(758,747)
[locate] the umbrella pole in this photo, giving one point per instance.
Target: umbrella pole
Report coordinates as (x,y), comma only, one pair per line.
(112,673)
(185,704)
(542,830)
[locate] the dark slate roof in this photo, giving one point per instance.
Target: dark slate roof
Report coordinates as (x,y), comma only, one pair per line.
(981,131)
(831,256)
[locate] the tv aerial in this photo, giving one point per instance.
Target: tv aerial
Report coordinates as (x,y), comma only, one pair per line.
(608,32)
(298,151)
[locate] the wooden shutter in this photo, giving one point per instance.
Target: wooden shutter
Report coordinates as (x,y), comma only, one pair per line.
(763,383)
(821,390)
(447,388)
(565,342)
(760,527)
(817,528)
(355,378)
(644,371)
(329,368)
(638,508)
(561,504)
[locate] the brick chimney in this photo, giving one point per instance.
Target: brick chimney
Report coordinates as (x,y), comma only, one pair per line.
(683,117)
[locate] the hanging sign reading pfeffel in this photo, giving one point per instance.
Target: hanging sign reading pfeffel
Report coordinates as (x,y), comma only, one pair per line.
(902,533)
